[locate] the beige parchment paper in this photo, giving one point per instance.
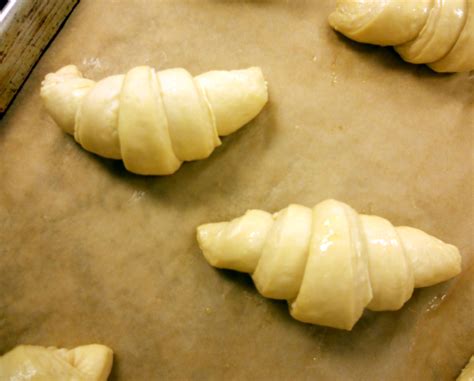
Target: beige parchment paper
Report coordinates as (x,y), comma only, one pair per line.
(91,253)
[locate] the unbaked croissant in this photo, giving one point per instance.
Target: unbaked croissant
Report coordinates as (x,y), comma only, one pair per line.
(30,362)
(329,262)
(152,120)
(467,373)
(439,33)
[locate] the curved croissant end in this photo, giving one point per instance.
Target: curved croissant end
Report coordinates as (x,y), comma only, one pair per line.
(461,56)
(89,363)
(439,33)
(467,373)
(151,120)
(95,360)
(390,22)
(329,262)
(62,92)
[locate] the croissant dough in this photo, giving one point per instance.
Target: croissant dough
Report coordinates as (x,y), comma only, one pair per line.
(329,262)
(151,120)
(85,363)
(439,33)
(467,373)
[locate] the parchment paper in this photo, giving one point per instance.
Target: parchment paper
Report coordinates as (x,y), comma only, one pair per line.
(91,253)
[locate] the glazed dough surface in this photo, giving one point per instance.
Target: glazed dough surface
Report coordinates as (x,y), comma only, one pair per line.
(329,262)
(439,33)
(152,120)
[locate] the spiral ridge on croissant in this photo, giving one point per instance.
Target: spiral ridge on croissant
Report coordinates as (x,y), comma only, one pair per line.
(329,262)
(153,120)
(439,33)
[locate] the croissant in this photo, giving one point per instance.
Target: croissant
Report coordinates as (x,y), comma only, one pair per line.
(151,120)
(467,373)
(30,362)
(439,33)
(329,262)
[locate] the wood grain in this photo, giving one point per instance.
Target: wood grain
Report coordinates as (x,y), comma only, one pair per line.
(24,33)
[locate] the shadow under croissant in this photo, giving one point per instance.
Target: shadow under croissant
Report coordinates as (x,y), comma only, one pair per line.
(116,371)
(389,61)
(373,329)
(446,318)
(198,181)
(388,58)
(375,334)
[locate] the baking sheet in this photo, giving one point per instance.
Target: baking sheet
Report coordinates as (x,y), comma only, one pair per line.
(91,253)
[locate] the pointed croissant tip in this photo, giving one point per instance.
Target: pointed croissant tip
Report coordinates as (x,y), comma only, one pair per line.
(347,17)
(259,74)
(62,92)
(52,79)
(201,235)
(453,263)
(99,347)
(69,69)
(106,352)
(96,349)
(95,359)
(433,260)
(65,71)
(204,238)
(235,96)
(457,259)
(207,235)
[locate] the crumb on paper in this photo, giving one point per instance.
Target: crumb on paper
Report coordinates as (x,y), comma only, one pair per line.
(434,303)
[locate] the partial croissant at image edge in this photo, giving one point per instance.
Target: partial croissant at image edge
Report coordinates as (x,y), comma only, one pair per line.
(437,33)
(329,262)
(84,363)
(467,374)
(153,120)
